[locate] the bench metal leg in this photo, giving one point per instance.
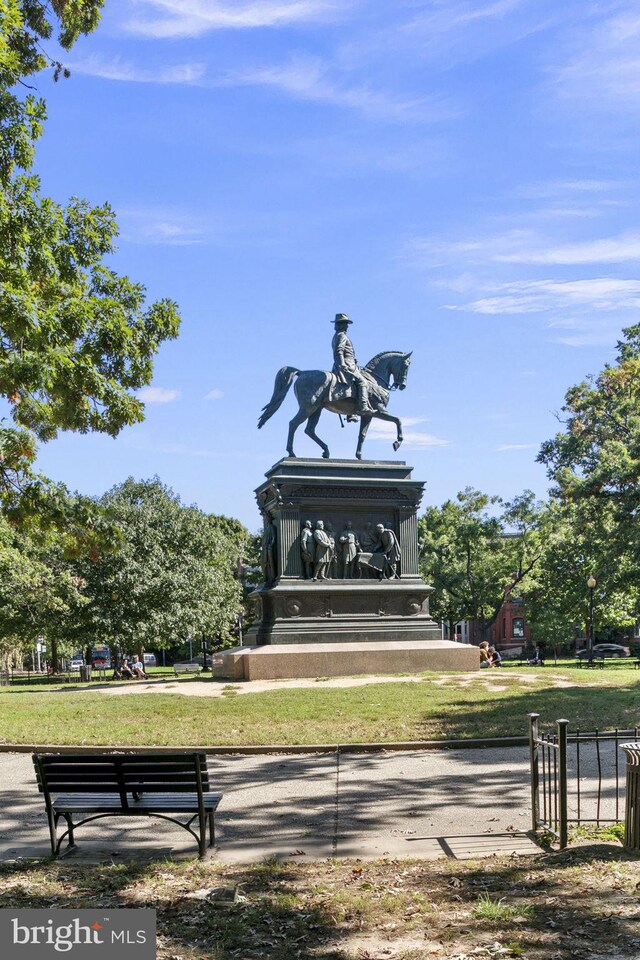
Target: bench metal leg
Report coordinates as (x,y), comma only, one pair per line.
(202,834)
(212,830)
(70,842)
(68,833)
(53,823)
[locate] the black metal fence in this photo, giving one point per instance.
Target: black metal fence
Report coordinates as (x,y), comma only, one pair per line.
(81,675)
(577,777)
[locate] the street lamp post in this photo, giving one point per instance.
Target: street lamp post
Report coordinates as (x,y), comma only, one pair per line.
(591,583)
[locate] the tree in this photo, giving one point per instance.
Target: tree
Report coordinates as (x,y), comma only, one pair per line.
(40,594)
(75,337)
(557,596)
(595,464)
(172,576)
(474,558)
(42,590)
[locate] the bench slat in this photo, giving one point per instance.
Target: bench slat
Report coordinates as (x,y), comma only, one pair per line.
(135,786)
(162,803)
(59,759)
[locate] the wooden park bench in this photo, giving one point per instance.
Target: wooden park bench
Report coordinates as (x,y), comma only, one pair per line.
(64,676)
(97,785)
(186,668)
(594,662)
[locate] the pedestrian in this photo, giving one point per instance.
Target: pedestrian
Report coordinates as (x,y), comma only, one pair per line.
(495,659)
(137,668)
(538,658)
(122,670)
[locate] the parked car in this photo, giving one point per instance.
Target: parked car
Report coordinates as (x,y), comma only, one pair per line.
(614,650)
(201,660)
(150,660)
(76,663)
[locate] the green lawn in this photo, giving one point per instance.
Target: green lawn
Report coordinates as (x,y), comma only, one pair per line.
(486,704)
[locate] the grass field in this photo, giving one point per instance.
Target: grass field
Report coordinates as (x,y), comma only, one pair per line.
(459,706)
(579,904)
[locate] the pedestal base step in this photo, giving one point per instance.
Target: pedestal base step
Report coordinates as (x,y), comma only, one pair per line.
(286,662)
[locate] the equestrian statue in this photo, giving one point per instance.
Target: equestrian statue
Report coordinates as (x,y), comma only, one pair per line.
(357,392)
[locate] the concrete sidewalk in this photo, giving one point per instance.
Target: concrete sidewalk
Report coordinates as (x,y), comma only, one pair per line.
(428,803)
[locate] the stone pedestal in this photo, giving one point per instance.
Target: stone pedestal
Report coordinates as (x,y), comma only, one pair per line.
(349,621)
(369,604)
(278,662)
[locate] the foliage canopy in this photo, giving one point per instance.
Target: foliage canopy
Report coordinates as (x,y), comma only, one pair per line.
(594,465)
(171,577)
(75,337)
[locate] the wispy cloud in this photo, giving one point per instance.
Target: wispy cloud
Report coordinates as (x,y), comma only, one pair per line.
(158,226)
(540,296)
(527,247)
(585,332)
(617,249)
(214,394)
(559,189)
(173,449)
(557,200)
(454,31)
(117,69)
(379,430)
(158,395)
(310,79)
(168,19)
(602,66)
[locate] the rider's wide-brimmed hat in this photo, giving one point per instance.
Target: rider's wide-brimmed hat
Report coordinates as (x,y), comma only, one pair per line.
(342,318)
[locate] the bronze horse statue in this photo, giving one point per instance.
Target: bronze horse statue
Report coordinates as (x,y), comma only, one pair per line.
(317,390)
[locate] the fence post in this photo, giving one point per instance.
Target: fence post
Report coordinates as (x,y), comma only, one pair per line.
(632,800)
(535,771)
(562,775)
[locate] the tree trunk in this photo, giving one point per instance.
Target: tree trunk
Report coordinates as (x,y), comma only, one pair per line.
(55,660)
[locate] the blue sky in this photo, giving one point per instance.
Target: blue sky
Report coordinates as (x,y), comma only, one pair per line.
(460,177)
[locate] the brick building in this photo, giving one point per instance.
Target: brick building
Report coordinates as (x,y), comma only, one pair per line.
(509,633)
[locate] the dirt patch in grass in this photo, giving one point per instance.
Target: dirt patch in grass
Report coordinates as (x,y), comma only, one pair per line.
(581,903)
(211,688)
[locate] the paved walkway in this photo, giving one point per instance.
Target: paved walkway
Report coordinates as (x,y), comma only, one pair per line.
(460,803)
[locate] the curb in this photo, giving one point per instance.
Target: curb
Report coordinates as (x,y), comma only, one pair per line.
(261,749)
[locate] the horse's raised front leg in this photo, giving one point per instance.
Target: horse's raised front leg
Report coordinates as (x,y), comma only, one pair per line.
(383,415)
(299,418)
(364,426)
(310,431)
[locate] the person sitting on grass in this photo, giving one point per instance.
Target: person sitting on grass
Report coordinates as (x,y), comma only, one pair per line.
(138,668)
(122,670)
(538,658)
(484,654)
(495,660)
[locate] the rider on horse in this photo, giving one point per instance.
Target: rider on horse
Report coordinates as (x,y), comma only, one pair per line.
(345,365)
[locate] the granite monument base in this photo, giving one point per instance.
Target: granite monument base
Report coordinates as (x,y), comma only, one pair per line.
(373,658)
(357,594)
(342,593)
(334,611)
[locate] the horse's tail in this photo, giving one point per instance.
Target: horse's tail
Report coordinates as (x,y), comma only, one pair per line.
(284,379)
